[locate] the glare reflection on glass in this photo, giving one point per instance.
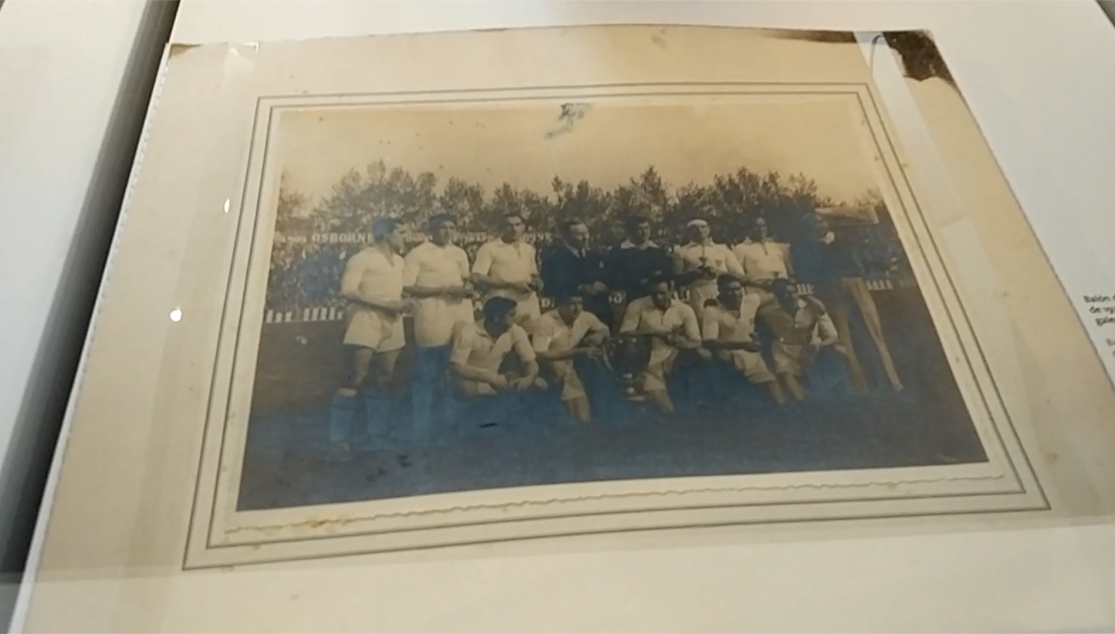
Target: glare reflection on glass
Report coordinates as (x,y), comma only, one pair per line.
(176,314)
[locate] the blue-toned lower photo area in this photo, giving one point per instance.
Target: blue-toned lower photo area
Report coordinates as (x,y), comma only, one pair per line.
(722,425)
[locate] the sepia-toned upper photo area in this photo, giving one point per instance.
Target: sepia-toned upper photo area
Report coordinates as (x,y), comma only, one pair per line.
(818,141)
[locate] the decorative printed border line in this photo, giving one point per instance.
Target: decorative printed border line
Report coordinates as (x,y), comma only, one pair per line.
(527,503)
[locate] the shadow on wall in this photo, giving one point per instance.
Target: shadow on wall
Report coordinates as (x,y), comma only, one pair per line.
(39,420)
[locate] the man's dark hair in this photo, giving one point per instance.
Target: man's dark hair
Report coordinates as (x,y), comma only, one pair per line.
(724,281)
(567,225)
(635,221)
(441,218)
(496,308)
(563,296)
(660,278)
(514,214)
(780,285)
(383,227)
(813,219)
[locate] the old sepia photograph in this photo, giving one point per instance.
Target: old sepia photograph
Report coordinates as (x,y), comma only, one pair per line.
(491,295)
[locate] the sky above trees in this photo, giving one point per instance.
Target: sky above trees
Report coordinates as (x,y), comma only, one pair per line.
(526,146)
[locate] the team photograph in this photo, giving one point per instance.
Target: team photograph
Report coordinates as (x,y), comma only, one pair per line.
(489,297)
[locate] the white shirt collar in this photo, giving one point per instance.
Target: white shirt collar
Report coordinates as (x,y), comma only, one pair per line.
(627,244)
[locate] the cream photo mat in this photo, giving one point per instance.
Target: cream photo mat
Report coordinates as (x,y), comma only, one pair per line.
(141,393)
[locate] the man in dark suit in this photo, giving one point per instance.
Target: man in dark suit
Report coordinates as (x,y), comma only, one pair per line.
(635,262)
(827,264)
(570,268)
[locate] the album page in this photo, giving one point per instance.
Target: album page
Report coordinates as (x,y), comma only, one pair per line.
(432,296)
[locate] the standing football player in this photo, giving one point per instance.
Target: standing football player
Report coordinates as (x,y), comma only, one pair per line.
(373,285)
(506,267)
(436,275)
(698,263)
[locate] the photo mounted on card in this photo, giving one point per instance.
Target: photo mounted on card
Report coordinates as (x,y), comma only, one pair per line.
(534,308)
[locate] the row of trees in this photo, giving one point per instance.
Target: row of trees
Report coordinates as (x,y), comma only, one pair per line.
(729,202)
(307,274)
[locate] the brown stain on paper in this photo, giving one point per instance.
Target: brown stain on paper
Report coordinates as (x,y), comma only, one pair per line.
(830,37)
(921,58)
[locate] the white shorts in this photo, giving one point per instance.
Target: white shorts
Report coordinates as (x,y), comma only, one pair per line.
(527,313)
(661,362)
(788,358)
(474,388)
(752,366)
(369,328)
(571,385)
(699,294)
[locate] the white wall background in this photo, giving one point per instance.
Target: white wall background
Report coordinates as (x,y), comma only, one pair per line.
(55,55)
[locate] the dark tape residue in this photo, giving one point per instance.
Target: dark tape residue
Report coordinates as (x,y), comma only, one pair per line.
(920,56)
